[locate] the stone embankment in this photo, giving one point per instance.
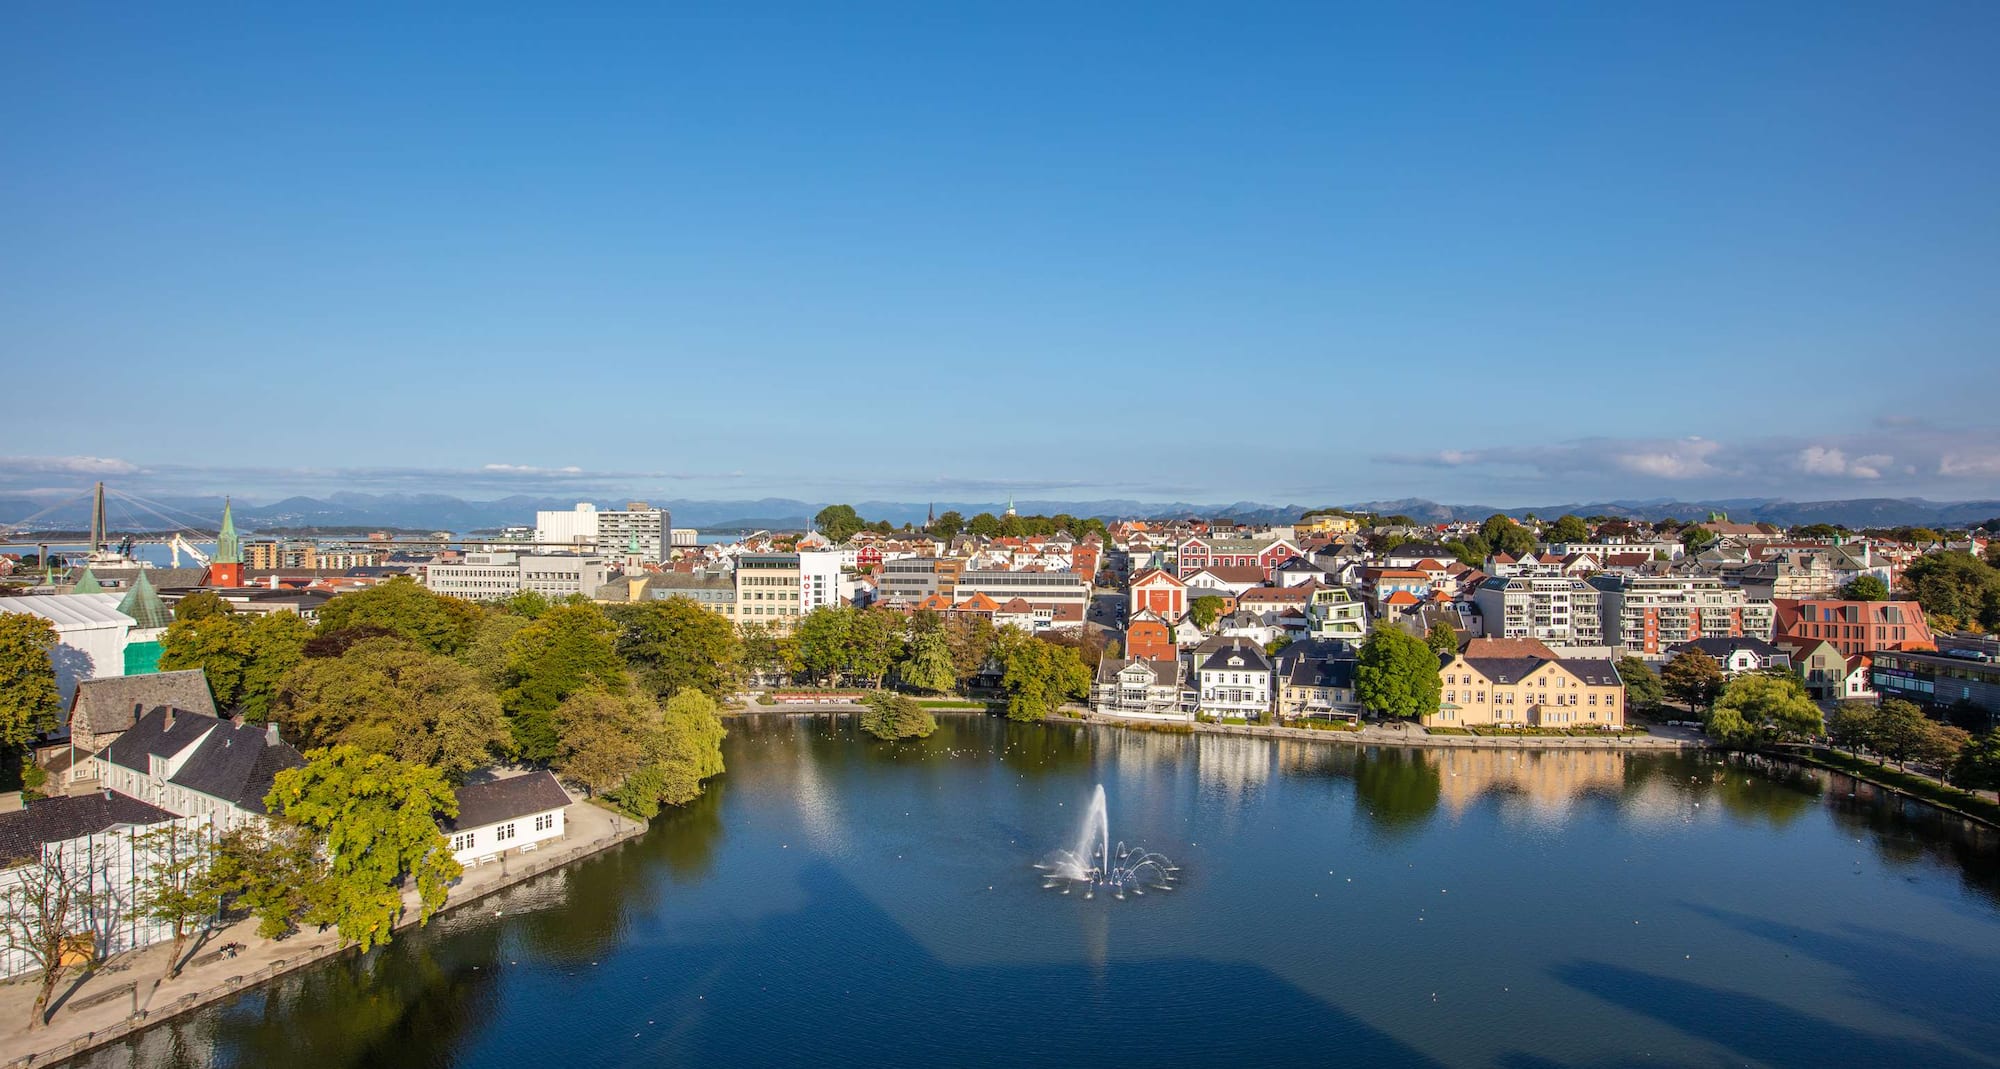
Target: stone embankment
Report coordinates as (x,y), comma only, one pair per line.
(126,995)
(1660,738)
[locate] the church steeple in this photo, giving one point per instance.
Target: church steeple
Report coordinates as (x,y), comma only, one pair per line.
(1010,505)
(142,603)
(225,569)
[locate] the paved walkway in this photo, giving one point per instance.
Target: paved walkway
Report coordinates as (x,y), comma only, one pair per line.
(127,993)
(1660,738)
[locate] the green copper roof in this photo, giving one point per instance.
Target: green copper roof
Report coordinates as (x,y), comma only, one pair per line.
(228,547)
(142,603)
(87,584)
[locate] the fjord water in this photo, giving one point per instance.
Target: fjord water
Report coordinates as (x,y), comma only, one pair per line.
(838,901)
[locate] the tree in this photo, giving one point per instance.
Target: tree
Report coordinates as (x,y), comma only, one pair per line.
(1697,538)
(946,526)
(275,643)
(1692,678)
(1755,706)
(1865,588)
(570,648)
(604,737)
(433,621)
(200,605)
(1643,690)
(1853,725)
(1978,764)
(767,654)
(1039,676)
(1505,536)
(675,644)
(875,640)
(41,918)
(971,639)
(1958,585)
(1816,530)
(270,870)
(896,716)
(176,890)
(1901,730)
(1567,528)
(378,817)
(1205,610)
(929,666)
(486,654)
(244,657)
(838,522)
(389,697)
(689,749)
(825,638)
(30,701)
(985,525)
(1441,638)
(1396,674)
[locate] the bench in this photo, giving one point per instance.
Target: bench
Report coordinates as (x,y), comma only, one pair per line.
(123,990)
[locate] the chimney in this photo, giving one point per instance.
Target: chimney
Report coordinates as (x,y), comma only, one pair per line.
(271,733)
(170,718)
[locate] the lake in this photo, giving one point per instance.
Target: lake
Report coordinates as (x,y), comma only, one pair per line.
(836,901)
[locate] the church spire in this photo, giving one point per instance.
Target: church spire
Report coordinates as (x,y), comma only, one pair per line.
(228,547)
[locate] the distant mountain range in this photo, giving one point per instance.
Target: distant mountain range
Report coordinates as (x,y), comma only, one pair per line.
(442,512)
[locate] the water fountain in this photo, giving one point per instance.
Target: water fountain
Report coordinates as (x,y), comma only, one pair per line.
(1095,864)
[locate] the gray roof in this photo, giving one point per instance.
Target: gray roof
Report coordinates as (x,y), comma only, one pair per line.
(53,820)
(1232,647)
(160,578)
(116,703)
(236,762)
(480,804)
(1165,673)
(1722,646)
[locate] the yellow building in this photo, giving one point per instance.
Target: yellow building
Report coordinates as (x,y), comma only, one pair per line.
(1521,682)
(1339,525)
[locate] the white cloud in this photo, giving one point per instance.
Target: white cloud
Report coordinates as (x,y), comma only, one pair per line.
(70,465)
(1832,461)
(1962,465)
(1683,459)
(529,469)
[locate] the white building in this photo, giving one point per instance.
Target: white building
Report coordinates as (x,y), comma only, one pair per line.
(476,577)
(1139,688)
(98,840)
(90,634)
(1234,678)
(560,575)
(516,813)
(1554,609)
(196,766)
(610,532)
(819,579)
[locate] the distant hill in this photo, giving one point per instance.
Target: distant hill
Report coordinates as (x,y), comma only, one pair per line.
(442,512)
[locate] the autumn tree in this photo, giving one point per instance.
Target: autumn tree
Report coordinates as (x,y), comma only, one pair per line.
(1039,676)
(1205,610)
(1757,706)
(1567,528)
(271,871)
(200,605)
(604,737)
(971,639)
(30,701)
(768,655)
(1692,678)
(1396,674)
(378,818)
(1852,725)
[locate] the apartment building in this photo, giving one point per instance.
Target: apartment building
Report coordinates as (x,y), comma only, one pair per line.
(1552,609)
(1234,678)
(1853,626)
(477,576)
(1333,612)
(1264,554)
(557,576)
(917,578)
(1650,614)
(1063,596)
(611,532)
(767,589)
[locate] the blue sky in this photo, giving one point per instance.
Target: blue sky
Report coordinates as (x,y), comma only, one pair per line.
(1511,254)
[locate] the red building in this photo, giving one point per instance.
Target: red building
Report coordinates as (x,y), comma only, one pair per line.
(1148,637)
(1159,593)
(1853,626)
(1201,552)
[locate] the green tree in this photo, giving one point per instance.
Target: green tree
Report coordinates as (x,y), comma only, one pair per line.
(271,871)
(30,701)
(767,654)
(200,605)
(686,751)
(929,666)
(433,621)
(675,644)
(1396,674)
(527,604)
(175,889)
(896,716)
(838,522)
(486,654)
(1853,725)
(1692,678)
(1441,638)
(1205,610)
(1506,536)
(1865,588)
(218,645)
(946,526)
(825,638)
(985,525)
(1956,584)
(1760,706)
(378,817)
(1039,676)
(275,643)
(1567,528)
(874,642)
(605,737)
(389,697)
(1978,764)
(1901,731)
(1816,530)
(571,648)
(1472,552)
(971,639)
(1643,690)
(1697,538)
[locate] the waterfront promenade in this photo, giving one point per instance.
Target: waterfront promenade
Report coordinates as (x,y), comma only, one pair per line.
(126,994)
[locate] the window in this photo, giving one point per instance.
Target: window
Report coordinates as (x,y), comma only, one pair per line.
(545,822)
(504,832)
(462,841)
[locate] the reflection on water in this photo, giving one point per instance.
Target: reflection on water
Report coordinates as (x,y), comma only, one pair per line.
(831,892)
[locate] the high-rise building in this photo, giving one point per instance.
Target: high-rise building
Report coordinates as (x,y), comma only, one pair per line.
(608,532)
